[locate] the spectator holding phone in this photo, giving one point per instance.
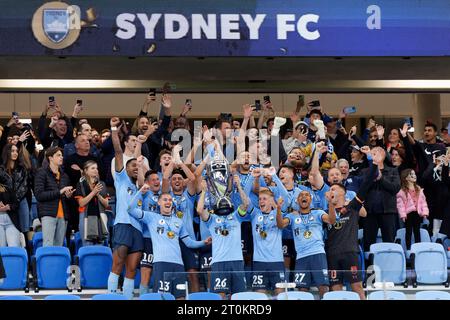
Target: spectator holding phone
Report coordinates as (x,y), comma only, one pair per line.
(52,189)
(92,199)
(411,205)
(60,130)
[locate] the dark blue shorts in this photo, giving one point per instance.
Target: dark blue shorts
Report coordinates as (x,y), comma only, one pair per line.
(128,236)
(288,248)
(205,258)
(147,255)
(267,274)
(311,271)
(167,276)
(246,238)
(228,277)
(189,256)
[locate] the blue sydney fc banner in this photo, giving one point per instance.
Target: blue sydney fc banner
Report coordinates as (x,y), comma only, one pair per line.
(301,28)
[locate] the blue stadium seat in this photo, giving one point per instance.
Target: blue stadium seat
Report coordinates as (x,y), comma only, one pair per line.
(95,264)
(429,261)
(295,295)
(62,297)
(341,295)
(109,296)
(15,261)
(400,238)
(391,262)
(37,241)
(249,296)
(432,295)
(204,296)
(50,265)
(157,296)
(387,295)
(445,241)
(77,243)
(16,298)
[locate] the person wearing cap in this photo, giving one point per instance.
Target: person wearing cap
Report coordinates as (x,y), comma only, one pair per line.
(335,136)
(299,138)
(314,114)
(358,161)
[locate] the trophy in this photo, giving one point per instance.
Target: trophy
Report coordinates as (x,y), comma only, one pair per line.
(220,185)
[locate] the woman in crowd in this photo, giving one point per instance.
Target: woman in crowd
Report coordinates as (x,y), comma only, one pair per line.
(411,205)
(92,199)
(52,189)
(394,139)
(17,169)
(9,217)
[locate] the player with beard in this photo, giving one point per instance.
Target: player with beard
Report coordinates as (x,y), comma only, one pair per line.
(184,196)
(167,231)
(286,174)
(342,237)
(268,263)
(149,203)
(165,158)
(127,237)
(318,185)
(297,159)
(244,171)
(307,227)
(227,260)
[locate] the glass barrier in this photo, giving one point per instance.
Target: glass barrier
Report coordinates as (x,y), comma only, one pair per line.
(370,284)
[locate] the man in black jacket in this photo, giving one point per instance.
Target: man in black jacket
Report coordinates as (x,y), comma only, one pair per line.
(60,130)
(381,203)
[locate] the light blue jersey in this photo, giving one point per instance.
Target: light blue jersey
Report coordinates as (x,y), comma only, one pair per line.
(166,231)
(126,191)
(246,184)
(226,237)
(307,230)
(149,203)
(267,244)
(209,205)
(320,201)
(291,204)
(184,203)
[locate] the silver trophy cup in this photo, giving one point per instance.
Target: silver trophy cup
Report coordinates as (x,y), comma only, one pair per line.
(220,185)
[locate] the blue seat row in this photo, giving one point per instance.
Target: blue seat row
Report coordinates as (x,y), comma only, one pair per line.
(291,295)
(428,263)
(51,266)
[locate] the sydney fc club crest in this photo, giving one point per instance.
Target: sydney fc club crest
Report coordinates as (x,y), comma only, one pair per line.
(57,25)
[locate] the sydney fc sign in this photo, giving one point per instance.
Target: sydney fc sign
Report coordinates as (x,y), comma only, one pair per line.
(183,28)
